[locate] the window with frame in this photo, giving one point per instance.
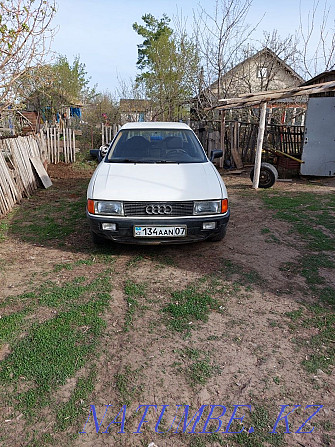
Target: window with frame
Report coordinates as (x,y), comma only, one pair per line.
(262,72)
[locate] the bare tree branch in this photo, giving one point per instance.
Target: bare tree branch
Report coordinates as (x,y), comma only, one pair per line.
(25,34)
(318,39)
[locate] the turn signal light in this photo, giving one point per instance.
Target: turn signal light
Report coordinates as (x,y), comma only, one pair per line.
(90,206)
(224,206)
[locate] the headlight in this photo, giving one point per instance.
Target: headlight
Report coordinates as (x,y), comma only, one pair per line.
(210,207)
(105,207)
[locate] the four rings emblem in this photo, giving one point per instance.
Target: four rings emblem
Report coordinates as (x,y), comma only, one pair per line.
(158,209)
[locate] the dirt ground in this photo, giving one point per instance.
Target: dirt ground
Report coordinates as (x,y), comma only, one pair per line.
(248,342)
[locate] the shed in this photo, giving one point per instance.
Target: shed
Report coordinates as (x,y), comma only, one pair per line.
(319,139)
(262,98)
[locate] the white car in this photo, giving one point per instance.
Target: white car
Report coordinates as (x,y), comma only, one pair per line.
(156,185)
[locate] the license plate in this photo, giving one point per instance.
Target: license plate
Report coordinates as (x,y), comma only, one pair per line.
(151,231)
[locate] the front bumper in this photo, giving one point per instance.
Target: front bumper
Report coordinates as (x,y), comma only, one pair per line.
(125,228)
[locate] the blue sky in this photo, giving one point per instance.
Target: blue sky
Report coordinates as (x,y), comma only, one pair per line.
(100,31)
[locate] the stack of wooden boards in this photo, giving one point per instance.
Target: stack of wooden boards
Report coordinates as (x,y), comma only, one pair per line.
(22,161)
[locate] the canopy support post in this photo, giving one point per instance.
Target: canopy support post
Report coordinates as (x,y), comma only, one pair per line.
(260,138)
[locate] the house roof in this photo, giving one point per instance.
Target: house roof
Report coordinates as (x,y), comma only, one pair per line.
(134,105)
(267,52)
(322,77)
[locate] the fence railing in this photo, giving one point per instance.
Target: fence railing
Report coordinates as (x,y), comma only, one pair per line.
(60,144)
(242,137)
(108,133)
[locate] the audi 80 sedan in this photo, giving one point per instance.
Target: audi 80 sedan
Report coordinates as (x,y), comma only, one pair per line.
(156,185)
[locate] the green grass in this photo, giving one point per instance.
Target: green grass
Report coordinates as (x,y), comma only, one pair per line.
(312,219)
(45,217)
(71,265)
(69,412)
(62,266)
(11,324)
(133,292)
(3,230)
(200,371)
(322,349)
(126,383)
(188,306)
(56,349)
(54,295)
(260,420)
(245,277)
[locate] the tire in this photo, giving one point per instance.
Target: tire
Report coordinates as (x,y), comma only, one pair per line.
(97,240)
(219,236)
(268,175)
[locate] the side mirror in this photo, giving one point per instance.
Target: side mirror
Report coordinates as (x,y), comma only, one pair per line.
(99,153)
(216,153)
(94,153)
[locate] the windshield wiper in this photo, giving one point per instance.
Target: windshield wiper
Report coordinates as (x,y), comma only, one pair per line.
(131,160)
(127,160)
(167,161)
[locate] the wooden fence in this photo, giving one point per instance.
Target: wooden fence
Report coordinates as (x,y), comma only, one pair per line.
(108,133)
(242,137)
(61,145)
(17,175)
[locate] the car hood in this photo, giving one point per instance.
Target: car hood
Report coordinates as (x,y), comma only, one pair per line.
(153,182)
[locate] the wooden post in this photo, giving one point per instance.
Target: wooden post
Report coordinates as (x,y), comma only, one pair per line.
(260,137)
(235,146)
(64,143)
(74,146)
(222,135)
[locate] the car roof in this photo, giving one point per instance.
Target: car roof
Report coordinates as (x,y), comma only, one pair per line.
(155,125)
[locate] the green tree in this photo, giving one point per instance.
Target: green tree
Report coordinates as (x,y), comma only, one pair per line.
(49,87)
(70,81)
(169,67)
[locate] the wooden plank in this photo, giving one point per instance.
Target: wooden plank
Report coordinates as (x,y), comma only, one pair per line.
(258,159)
(270,95)
(234,150)
(235,172)
(58,144)
(9,193)
(41,172)
(64,144)
(222,135)
(48,144)
(74,148)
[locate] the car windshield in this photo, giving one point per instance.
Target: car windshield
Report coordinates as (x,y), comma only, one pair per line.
(156,146)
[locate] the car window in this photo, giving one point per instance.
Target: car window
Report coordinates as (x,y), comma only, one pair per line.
(156,146)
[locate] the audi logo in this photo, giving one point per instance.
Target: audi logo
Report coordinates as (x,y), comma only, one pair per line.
(158,209)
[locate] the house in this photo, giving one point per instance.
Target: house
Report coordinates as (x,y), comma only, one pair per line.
(261,71)
(134,110)
(326,76)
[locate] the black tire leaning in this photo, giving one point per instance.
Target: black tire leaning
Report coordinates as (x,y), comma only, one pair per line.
(268,175)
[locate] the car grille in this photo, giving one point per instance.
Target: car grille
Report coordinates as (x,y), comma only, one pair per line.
(139,209)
